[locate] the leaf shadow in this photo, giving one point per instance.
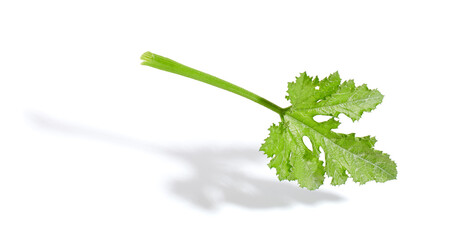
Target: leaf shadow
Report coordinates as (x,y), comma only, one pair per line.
(216,174)
(217,178)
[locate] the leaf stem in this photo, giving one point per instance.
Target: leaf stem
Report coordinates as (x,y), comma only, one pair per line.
(169,65)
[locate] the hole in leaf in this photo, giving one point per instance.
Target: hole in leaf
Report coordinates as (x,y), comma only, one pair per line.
(322,155)
(317,87)
(321,118)
(307,142)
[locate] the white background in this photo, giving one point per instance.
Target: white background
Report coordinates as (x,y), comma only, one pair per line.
(95,146)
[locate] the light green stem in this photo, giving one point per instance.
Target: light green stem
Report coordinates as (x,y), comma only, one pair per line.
(169,65)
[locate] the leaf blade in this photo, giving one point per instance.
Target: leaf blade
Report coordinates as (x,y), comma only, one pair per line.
(345,154)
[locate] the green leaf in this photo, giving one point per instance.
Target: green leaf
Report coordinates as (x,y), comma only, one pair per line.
(345,154)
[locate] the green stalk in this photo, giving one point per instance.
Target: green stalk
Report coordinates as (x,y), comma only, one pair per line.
(169,65)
